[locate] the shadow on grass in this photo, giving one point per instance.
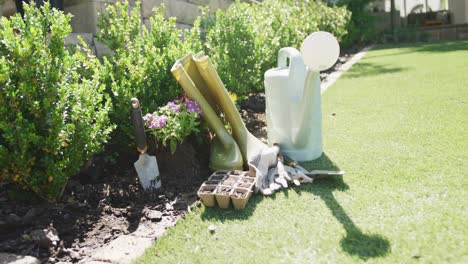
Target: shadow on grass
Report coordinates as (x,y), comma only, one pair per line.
(365,246)
(365,69)
(435,47)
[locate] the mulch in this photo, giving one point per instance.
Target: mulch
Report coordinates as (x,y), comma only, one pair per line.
(98,205)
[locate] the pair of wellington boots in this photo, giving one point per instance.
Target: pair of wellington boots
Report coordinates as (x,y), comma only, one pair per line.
(200,81)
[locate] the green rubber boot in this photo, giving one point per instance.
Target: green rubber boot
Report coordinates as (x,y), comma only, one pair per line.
(249,145)
(225,153)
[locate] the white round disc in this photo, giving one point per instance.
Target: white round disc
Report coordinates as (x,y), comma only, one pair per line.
(320,50)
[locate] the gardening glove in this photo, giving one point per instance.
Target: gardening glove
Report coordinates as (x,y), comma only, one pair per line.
(261,164)
(297,176)
(282,175)
(302,178)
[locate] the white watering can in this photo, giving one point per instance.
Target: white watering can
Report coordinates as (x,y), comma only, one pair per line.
(293,99)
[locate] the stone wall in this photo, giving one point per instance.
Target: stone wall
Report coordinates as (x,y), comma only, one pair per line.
(85,15)
(85,12)
(186,11)
(447,32)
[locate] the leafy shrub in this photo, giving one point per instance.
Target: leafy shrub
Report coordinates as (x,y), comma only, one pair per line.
(51,102)
(174,122)
(230,43)
(286,23)
(142,59)
(362,25)
(244,41)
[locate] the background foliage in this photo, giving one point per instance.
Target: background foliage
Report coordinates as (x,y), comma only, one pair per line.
(244,41)
(59,104)
(51,102)
(141,63)
(361,26)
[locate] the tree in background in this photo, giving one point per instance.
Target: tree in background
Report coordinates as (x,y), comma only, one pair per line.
(361,27)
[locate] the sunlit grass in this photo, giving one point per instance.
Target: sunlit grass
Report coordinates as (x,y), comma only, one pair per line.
(397,124)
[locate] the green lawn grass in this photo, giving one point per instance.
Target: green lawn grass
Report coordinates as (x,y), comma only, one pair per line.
(396,122)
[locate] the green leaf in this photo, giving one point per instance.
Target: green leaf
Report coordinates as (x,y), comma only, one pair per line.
(173,146)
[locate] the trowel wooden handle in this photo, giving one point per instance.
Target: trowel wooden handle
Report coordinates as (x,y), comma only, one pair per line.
(139,127)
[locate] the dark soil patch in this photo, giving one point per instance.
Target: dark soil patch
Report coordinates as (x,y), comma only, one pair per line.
(102,203)
(239,194)
(224,190)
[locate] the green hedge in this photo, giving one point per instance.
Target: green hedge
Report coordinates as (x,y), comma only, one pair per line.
(57,105)
(361,27)
(244,41)
(53,114)
(141,63)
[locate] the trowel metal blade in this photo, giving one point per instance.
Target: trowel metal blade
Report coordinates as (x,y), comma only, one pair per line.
(148,172)
(319,174)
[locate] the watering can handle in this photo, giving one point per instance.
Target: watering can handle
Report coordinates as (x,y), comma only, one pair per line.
(297,71)
(296,64)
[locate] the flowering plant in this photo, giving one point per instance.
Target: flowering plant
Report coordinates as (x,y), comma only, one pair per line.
(174,122)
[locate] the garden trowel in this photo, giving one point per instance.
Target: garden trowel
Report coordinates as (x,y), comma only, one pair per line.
(146,165)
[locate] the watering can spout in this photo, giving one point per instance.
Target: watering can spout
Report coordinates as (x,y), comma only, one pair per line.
(308,112)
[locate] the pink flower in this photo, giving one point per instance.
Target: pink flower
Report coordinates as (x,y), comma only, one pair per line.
(147,117)
(161,121)
(173,106)
(153,122)
(157,122)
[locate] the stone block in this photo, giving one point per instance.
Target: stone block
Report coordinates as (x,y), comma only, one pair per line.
(86,12)
(123,250)
(186,13)
(148,5)
(200,2)
(9,8)
(184,26)
(72,39)
(102,49)
(147,23)
(17,259)
(220,4)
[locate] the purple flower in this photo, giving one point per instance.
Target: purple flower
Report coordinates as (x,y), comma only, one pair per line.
(193,106)
(161,121)
(173,106)
(153,121)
